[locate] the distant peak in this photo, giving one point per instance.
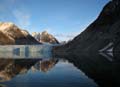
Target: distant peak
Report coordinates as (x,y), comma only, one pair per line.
(7,23)
(44,32)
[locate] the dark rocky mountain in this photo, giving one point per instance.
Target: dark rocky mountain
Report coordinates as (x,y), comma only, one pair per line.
(89,50)
(45,37)
(103,31)
(10,34)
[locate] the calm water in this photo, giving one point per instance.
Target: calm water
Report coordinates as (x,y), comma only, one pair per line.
(42,73)
(34,66)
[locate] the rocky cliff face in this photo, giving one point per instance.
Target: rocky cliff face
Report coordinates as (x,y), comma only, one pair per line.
(45,37)
(10,34)
(103,31)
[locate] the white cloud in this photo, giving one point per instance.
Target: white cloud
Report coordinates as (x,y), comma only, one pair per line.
(22,17)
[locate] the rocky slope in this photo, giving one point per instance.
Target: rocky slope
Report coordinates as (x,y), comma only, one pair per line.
(10,34)
(45,37)
(103,31)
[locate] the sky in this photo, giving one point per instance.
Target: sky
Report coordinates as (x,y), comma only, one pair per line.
(63,18)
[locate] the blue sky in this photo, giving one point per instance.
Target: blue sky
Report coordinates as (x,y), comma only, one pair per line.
(62,18)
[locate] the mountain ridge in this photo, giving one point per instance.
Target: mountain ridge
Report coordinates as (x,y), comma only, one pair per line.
(10,34)
(104,30)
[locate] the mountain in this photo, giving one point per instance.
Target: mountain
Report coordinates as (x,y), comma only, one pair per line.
(103,32)
(45,37)
(10,34)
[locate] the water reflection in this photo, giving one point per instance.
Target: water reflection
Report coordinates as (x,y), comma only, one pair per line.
(42,73)
(46,65)
(103,70)
(9,68)
(34,66)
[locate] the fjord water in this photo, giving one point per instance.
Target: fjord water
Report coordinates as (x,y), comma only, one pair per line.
(40,73)
(30,66)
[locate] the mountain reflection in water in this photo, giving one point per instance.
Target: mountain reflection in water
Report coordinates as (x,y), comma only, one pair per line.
(87,70)
(103,68)
(42,73)
(9,68)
